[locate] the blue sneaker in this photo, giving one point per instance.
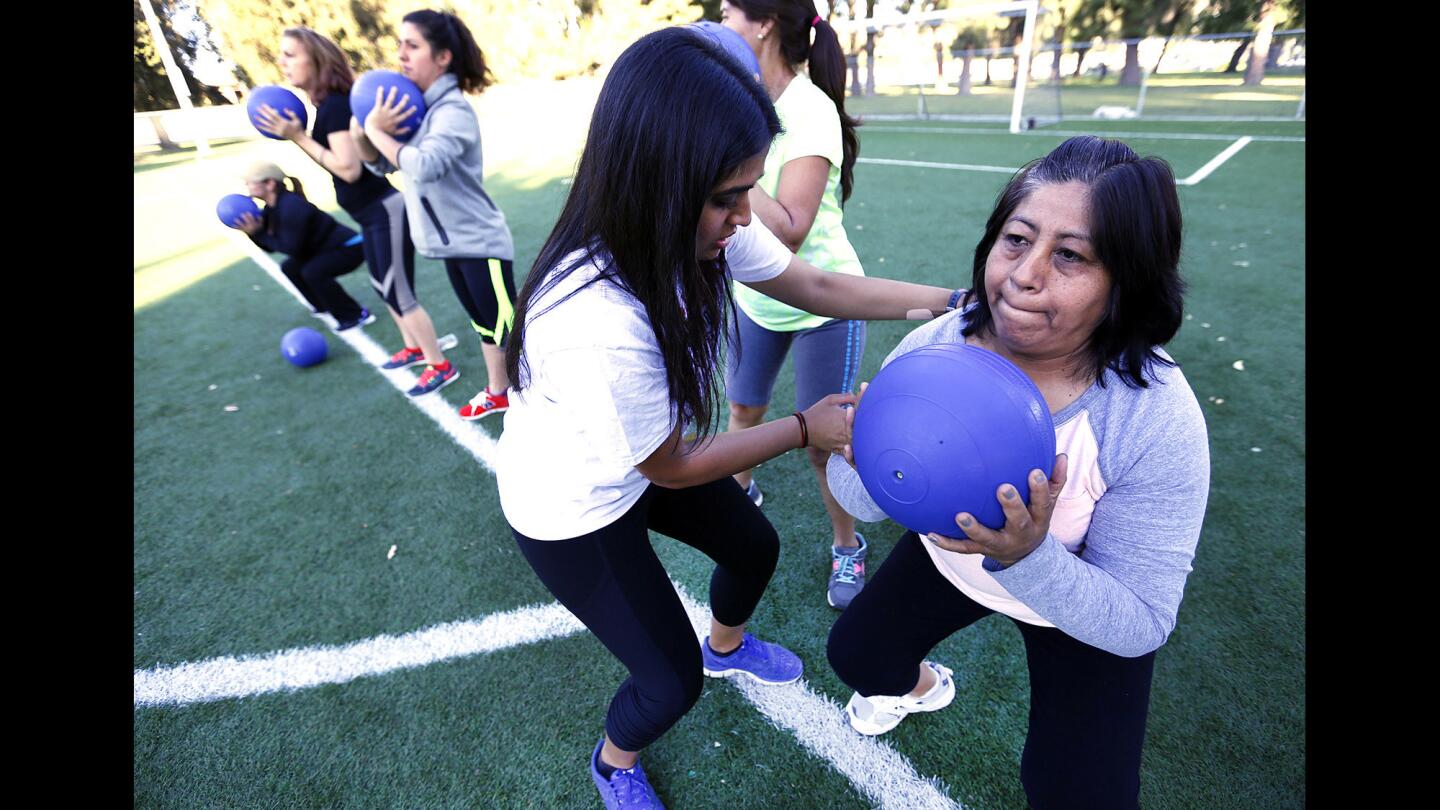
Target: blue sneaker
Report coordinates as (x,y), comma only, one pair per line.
(433,379)
(626,787)
(761,660)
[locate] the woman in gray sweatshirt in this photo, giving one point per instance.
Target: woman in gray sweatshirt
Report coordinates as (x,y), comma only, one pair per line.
(1075,281)
(451,216)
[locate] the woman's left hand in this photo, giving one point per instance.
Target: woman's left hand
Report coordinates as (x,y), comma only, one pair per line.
(269,120)
(389,112)
(1024,529)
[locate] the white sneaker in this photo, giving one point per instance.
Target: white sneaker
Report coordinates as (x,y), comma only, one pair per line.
(878,714)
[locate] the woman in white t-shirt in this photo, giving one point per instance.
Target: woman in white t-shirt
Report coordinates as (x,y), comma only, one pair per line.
(809,174)
(617,340)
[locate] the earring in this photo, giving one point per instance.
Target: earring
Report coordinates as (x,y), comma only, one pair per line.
(762,36)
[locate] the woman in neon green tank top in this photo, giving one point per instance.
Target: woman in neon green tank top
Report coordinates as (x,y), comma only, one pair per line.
(808,176)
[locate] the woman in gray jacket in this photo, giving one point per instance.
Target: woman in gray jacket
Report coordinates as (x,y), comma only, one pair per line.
(451,216)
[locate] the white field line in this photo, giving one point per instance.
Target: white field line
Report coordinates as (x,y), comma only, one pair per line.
(875,769)
(1214,163)
(1161,136)
(1193,179)
(922,164)
(304,667)
(472,438)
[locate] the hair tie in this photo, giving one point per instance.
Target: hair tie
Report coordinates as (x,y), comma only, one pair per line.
(815,21)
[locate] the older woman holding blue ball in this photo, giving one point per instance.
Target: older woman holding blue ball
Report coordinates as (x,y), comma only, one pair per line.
(1076,282)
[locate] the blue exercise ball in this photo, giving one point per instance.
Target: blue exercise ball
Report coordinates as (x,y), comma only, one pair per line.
(303,347)
(234,206)
(941,428)
(279,98)
(733,43)
(362,98)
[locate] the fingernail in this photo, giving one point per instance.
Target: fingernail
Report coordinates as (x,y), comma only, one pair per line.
(965,521)
(1038,477)
(931,538)
(1009,493)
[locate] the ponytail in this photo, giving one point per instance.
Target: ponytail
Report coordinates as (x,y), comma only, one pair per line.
(295,186)
(827,72)
(793,21)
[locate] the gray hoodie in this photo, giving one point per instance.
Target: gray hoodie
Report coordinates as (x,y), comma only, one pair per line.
(450,214)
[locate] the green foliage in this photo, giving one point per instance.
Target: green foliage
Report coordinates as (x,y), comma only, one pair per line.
(152,83)
(521,39)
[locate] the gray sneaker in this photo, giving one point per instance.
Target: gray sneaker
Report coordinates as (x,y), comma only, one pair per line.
(847,574)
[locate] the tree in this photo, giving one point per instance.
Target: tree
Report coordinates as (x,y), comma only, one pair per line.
(1131,20)
(152,83)
(970,38)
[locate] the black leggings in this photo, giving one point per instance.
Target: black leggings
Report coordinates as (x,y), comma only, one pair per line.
(1087,706)
(486,289)
(315,279)
(613,582)
(389,251)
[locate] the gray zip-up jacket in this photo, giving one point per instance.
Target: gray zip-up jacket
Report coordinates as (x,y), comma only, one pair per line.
(1140,465)
(450,214)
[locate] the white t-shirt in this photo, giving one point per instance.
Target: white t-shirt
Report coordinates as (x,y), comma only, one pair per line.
(596,402)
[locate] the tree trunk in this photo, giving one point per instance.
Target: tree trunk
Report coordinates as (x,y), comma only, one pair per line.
(965,70)
(166,145)
(1255,70)
(1235,57)
(870,64)
(987,70)
(852,61)
(1059,48)
(1080,59)
(1130,74)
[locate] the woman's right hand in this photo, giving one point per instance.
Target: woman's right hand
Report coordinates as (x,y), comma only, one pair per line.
(269,120)
(249,223)
(828,422)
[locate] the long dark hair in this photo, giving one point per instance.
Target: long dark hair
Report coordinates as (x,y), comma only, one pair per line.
(793,21)
(1135,229)
(675,117)
(445,32)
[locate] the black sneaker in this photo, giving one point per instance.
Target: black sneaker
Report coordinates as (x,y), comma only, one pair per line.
(366,318)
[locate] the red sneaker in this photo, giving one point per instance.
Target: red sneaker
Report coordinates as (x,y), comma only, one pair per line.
(484,404)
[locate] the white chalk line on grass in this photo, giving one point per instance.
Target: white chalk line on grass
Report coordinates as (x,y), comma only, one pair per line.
(876,770)
(1062,133)
(480,444)
(1194,179)
(1215,162)
(304,667)
(922,164)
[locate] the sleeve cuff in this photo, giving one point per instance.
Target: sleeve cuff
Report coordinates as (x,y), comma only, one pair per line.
(1037,566)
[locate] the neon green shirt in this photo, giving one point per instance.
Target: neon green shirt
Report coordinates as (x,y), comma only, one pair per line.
(812,127)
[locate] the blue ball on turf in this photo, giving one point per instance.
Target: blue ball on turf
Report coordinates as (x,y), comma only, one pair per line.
(234,206)
(362,98)
(279,98)
(303,347)
(732,42)
(941,428)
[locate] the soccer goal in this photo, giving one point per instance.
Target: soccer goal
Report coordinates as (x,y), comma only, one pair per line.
(966,64)
(1190,78)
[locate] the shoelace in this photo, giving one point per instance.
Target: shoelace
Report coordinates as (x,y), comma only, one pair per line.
(629,787)
(846,572)
(428,374)
(400,356)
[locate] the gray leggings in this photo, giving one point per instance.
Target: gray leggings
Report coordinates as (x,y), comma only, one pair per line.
(827,360)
